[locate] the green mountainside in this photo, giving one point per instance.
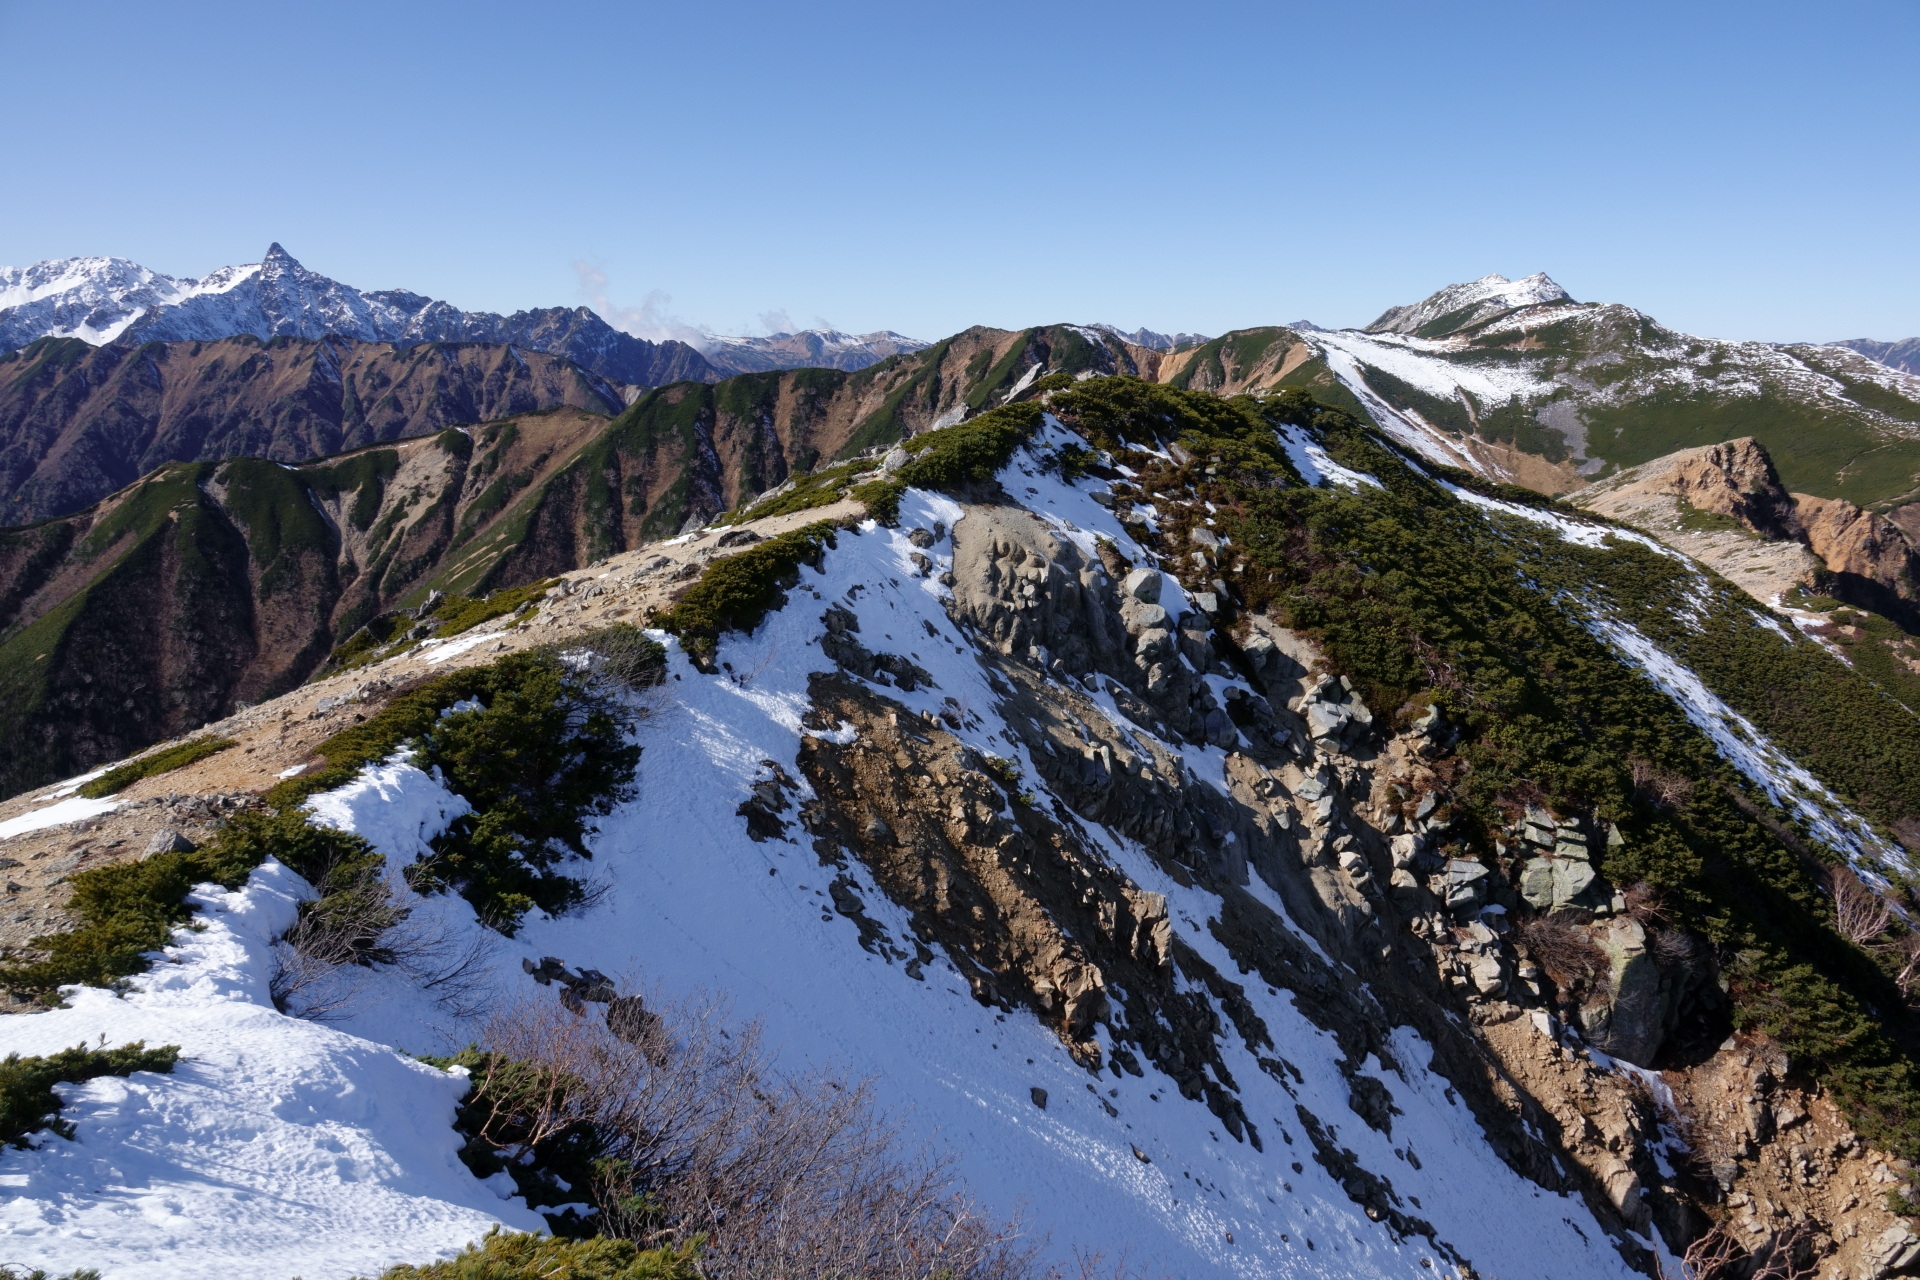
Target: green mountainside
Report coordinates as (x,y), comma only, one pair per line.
(251,572)
(78,422)
(206,584)
(1590,388)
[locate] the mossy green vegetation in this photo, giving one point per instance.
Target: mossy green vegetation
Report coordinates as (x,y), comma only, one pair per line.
(163,761)
(388,634)
(28,1103)
(1816,449)
(817,489)
(736,592)
(518,1256)
(1878,647)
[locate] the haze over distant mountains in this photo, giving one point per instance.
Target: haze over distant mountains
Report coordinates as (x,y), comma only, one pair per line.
(101,300)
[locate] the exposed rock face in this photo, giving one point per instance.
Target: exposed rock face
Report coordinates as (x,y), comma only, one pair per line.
(1860,545)
(79,422)
(1795,540)
(1733,479)
(1343,823)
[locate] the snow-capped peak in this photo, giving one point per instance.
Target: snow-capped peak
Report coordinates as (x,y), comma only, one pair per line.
(95,299)
(103,299)
(1478,299)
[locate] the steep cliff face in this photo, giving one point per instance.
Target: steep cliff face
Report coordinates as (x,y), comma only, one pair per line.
(78,422)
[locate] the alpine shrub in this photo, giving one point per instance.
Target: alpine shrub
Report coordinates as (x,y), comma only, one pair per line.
(544,754)
(736,592)
(28,1102)
(147,766)
(519,1256)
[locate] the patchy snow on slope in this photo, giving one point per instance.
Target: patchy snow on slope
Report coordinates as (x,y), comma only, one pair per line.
(1310,458)
(1407,428)
(689,903)
(276,1146)
(56,815)
(1435,367)
(1589,534)
(1787,784)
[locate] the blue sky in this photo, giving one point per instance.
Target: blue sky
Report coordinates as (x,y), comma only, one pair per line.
(1735,170)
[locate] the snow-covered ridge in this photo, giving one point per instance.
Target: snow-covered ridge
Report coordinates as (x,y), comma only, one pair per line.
(95,299)
(1486,296)
(101,299)
(1129,1167)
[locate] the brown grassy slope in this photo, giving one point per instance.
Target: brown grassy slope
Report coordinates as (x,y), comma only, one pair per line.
(78,422)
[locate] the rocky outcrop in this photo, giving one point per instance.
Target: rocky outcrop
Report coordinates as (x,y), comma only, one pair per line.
(1866,551)
(1771,540)
(1529,973)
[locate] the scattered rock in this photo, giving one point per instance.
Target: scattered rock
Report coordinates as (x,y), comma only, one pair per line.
(167,840)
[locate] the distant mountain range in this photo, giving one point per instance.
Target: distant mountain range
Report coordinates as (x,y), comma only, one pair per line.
(102,300)
(1903,355)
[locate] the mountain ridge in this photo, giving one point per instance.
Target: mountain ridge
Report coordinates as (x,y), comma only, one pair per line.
(1903,354)
(101,300)
(1267,852)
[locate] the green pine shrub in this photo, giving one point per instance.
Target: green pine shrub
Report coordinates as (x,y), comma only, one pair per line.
(545,752)
(166,761)
(519,1256)
(463,613)
(28,1103)
(736,592)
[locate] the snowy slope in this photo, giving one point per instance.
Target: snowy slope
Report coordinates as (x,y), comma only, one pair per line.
(693,904)
(95,299)
(810,348)
(1525,345)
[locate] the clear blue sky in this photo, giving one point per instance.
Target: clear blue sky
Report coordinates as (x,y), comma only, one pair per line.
(1737,170)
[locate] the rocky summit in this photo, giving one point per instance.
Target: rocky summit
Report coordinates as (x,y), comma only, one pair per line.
(1060,801)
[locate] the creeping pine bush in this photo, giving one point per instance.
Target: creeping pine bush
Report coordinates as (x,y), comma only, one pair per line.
(971,452)
(463,613)
(147,766)
(28,1102)
(544,752)
(506,1255)
(736,592)
(543,756)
